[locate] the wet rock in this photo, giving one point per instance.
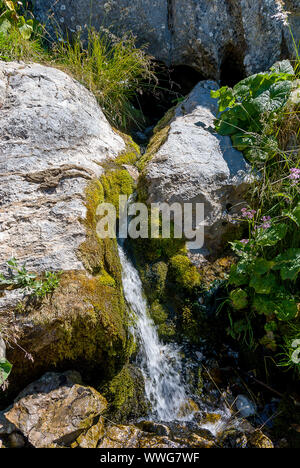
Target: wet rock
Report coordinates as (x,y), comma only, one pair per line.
(209,35)
(6,427)
(92,436)
(259,440)
(50,415)
(196,165)
(121,437)
(155,428)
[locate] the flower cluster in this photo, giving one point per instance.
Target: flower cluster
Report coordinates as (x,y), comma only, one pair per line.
(248,214)
(245,241)
(294,175)
(266,222)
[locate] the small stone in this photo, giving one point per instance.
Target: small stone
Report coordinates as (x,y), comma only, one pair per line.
(16,440)
(259,440)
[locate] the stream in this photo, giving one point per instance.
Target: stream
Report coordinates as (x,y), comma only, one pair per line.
(160,363)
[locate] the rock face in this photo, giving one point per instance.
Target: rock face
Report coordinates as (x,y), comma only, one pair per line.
(245,36)
(58,411)
(55,410)
(53,139)
(196,165)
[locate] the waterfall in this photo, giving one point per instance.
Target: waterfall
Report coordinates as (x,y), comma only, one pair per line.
(160,364)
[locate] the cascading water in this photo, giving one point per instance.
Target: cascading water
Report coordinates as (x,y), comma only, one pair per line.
(159,363)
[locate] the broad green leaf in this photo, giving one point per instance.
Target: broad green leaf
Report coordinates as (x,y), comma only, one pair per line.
(269,237)
(26,31)
(225,96)
(237,278)
(288,263)
(261,266)
(263,284)
(239,299)
(5,26)
(274,98)
(263,304)
(5,370)
(284,66)
(286,309)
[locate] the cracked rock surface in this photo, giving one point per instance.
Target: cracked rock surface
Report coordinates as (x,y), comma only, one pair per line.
(202,34)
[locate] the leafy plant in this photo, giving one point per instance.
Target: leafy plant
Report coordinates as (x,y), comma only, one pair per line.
(5,370)
(264,283)
(252,103)
(19,277)
(10,18)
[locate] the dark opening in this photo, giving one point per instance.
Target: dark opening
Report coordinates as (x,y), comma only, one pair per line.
(232,68)
(172,85)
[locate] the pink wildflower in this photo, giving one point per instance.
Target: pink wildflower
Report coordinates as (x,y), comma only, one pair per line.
(294,175)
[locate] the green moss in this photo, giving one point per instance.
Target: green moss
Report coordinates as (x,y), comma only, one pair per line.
(126,395)
(185,274)
(159,314)
(114,183)
(160,136)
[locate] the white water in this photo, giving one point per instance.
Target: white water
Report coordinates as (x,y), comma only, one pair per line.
(160,364)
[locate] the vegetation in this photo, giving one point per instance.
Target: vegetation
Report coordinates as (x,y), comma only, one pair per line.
(29,283)
(5,370)
(114,69)
(261,114)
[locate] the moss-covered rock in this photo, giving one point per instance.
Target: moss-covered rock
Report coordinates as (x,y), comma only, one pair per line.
(126,395)
(84,323)
(184,272)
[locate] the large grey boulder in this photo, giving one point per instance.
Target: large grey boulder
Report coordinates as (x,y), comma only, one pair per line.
(249,35)
(53,137)
(196,165)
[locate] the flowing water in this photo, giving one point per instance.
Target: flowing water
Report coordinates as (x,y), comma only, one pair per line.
(160,364)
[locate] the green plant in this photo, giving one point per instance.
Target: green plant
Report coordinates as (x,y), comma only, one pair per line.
(263,296)
(5,370)
(10,18)
(20,34)
(115,70)
(19,277)
(248,108)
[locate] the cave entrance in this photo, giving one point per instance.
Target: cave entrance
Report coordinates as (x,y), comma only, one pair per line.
(172,85)
(232,68)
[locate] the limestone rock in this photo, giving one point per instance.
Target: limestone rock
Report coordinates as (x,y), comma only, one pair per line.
(151,435)
(242,36)
(48,414)
(53,139)
(196,165)
(91,438)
